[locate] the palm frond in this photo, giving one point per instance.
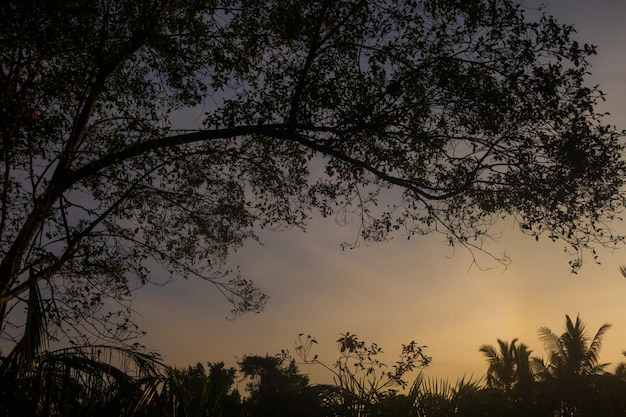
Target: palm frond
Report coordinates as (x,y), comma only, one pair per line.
(90,378)
(592,355)
(596,342)
(540,368)
(552,342)
(490,352)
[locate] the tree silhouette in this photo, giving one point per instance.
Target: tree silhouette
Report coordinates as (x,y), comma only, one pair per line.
(434,397)
(278,389)
(192,392)
(362,380)
(502,364)
(419,117)
(572,366)
(510,368)
(573,353)
(97,380)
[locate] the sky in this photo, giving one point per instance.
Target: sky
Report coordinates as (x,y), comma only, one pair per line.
(402,290)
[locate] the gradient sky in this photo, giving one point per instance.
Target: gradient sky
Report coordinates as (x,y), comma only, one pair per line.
(420,289)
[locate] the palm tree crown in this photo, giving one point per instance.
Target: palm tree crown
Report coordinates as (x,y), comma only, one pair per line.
(509,366)
(572,354)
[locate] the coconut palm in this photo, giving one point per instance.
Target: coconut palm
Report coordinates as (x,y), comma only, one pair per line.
(509,367)
(525,376)
(570,375)
(502,364)
(573,353)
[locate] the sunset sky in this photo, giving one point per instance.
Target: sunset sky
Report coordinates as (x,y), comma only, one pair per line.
(403,290)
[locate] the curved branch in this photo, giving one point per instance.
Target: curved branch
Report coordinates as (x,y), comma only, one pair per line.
(329,151)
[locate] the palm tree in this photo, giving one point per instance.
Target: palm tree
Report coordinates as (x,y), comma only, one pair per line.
(572,369)
(524,376)
(96,380)
(509,367)
(502,366)
(90,380)
(572,354)
(433,397)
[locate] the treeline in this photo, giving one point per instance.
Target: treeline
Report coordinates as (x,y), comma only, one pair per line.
(569,380)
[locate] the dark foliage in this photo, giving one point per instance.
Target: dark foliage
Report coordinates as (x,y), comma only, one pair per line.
(412,117)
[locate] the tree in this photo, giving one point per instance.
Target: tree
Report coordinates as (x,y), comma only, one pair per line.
(412,116)
(362,381)
(573,353)
(570,375)
(95,380)
(509,368)
(502,364)
(437,397)
(525,384)
(277,388)
(223,379)
(192,392)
